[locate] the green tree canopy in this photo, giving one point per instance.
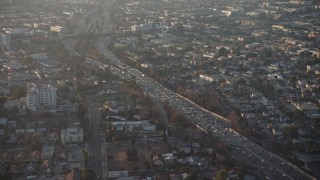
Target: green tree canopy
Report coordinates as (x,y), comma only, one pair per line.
(17,92)
(291,131)
(252,54)
(88,174)
(3,99)
(223,51)
(242,170)
(5,173)
(222,174)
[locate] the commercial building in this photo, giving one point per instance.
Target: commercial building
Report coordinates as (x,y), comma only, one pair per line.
(72,135)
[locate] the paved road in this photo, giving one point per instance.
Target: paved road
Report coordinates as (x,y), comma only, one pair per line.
(95,154)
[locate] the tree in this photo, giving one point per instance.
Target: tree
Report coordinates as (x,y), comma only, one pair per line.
(133,140)
(132,154)
(4,138)
(178,119)
(251,54)
(280,92)
(85,157)
(242,170)
(29,113)
(13,111)
(221,174)
(3,99)
(228,162)
(3,112)
(81,113)
(241,82)
(293,79)
(147,164)
(223,52)
(88,174)
(192,175)
(35,146)
(179,29)
(213,160)
(133,98)
(5,171)
(291,131)
(17,92)
(268,53)
(110,133)
(234,118)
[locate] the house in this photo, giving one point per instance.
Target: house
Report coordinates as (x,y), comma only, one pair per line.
(195,147)
(157,160)
(232,175)
(307,106)
(75,158)
(54,137)
(175,177)
(169,158)
(35,156)
(185,148)
(12,139)
(276,132)
(118,174)
(313,114)
(47,152)
(209,151)
(193,160)
(75,174)
(11,124)
(31,169)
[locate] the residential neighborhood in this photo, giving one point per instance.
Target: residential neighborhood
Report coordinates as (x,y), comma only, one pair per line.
(159,89)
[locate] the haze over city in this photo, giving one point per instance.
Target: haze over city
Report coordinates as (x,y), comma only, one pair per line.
(159,89)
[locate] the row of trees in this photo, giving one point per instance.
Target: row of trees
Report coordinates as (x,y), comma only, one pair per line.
(110,133)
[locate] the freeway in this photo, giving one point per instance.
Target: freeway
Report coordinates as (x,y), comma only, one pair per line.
(272,165)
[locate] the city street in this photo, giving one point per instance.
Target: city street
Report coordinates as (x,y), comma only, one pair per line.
(95,154)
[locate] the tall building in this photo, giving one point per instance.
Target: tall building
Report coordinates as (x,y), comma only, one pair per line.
(45,96)
(32,100)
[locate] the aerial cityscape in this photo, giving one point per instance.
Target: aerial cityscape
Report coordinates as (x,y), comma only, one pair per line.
(159,89)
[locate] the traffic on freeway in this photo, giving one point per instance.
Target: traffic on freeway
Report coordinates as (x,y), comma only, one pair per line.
(272,165)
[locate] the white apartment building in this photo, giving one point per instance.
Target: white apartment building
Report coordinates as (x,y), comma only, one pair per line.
(48,96)
(41,96)
(32,100)
(72,135)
